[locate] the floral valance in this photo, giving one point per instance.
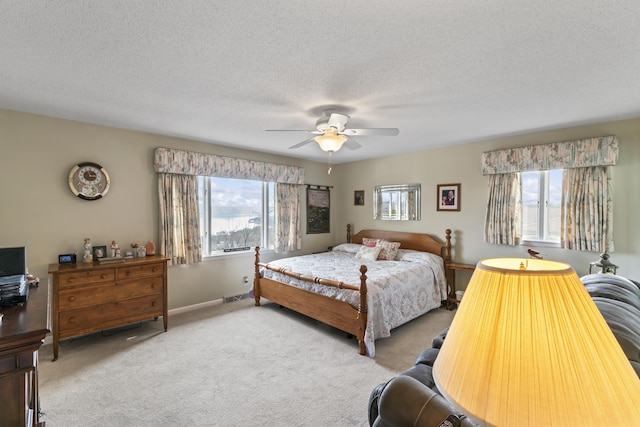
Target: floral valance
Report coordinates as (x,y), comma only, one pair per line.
(601,151)
(182,162)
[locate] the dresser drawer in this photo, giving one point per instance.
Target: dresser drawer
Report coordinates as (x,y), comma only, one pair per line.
(144,270)
(103,316)
(75,278)
(98,294)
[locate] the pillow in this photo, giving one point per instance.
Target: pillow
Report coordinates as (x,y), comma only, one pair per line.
(368,253)
(351,248)
(389,250)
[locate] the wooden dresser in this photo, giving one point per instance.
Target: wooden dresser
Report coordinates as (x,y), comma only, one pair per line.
(89,297)
(22,331)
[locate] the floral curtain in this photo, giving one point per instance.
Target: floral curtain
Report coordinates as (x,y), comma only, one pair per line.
(601,151)
(288,218)
(502,221)
(587,208)
(182,162)
(179,218)
(587,211)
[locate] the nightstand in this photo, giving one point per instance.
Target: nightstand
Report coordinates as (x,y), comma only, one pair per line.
(452,301)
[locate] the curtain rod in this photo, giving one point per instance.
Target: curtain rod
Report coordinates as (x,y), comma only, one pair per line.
(326,187)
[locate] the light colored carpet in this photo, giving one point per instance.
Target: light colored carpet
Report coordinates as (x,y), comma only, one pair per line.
(227,365)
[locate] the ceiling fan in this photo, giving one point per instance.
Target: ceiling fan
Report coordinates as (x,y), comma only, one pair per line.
(332,132)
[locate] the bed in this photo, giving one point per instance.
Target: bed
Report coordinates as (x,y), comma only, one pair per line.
(363,297)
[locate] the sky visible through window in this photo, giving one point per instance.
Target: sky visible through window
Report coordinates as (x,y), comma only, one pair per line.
(235,203)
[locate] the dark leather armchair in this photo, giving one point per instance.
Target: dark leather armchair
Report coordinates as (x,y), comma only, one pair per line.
(412,398)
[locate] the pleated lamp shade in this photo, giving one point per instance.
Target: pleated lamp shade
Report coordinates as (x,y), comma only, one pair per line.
(530,348)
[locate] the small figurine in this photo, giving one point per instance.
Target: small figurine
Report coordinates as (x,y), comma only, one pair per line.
(88,256)
(151,248)
(114,248)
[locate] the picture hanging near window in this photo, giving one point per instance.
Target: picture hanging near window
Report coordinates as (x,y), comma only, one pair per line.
(318,210)
(448,197)
(358,198)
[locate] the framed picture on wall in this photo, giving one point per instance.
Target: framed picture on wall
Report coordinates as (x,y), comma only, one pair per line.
(448,197)
(358,198)
(318,210)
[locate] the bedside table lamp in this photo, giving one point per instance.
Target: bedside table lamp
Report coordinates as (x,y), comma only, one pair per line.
(528,347)
(604,265)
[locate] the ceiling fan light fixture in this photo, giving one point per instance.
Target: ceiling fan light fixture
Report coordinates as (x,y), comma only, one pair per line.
(330,141)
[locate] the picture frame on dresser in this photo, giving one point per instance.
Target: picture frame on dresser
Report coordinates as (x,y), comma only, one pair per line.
(99,252)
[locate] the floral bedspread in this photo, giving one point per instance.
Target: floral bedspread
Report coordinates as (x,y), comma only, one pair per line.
(398,291)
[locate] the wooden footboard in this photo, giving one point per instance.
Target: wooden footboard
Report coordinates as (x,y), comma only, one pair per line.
(339,314)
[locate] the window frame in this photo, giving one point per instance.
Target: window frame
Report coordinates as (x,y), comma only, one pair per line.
(544,183)
(268,194)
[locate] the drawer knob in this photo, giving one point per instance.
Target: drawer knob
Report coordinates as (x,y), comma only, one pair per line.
(72,298)
(153,303)
(72,320)
(70,280)
(103,276)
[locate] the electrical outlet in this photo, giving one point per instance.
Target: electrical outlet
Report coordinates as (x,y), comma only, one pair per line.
(245,279)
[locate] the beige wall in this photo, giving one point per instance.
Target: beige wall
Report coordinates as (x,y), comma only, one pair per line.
(461,164)
(38,209)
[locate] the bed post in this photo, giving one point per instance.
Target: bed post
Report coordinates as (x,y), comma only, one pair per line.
(363,309)
(256,277)
(447,247)
(348,233)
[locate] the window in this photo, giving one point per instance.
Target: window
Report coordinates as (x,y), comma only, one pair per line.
(235,214)
(541,200)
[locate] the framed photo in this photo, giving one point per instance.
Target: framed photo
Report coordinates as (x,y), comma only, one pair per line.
(448,197)
(358,198)
(318,210)
(99,252)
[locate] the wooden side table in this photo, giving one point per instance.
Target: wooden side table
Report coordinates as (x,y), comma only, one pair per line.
(452,301)
(22,332)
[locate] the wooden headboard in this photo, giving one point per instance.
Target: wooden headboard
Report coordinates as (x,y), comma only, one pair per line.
(415,241)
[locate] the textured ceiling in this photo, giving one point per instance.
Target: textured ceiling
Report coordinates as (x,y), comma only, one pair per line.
(443,72)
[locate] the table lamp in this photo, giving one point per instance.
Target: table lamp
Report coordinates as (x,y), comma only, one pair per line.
(528,347)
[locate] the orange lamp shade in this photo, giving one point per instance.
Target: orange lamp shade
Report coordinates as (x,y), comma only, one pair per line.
(528,347)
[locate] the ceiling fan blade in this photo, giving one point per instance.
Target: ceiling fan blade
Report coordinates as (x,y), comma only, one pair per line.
(300,144)
(352,144)
(337,121)
(291,130)
(372,131)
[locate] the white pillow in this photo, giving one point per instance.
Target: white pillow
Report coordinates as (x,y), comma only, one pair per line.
(351,248)
(368,253)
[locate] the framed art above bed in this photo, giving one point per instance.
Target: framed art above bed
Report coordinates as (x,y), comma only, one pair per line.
(366,287)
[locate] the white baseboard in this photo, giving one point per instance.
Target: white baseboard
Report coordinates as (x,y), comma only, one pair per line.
(195,306)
